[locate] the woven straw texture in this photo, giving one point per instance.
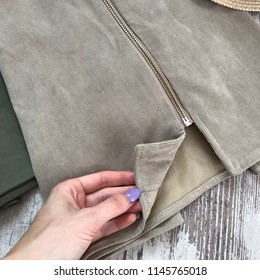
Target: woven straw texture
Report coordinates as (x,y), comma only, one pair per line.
(244,5)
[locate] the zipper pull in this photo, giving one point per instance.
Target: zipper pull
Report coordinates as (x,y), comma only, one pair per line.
(186,121)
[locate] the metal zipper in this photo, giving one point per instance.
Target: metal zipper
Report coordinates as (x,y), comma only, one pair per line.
(150,60)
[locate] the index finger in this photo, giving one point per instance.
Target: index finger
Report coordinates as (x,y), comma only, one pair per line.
(103,179)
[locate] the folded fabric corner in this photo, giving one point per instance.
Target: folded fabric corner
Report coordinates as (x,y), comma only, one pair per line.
(151,164)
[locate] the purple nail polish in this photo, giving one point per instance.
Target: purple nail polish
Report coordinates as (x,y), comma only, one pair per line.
(133,194)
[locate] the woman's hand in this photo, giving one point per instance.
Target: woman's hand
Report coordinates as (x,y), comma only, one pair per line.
(78,212)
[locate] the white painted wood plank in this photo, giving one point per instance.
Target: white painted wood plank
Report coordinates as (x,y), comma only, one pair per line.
(16,219)
(224,223)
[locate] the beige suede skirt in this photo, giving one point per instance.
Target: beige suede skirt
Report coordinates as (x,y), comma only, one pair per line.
(168,89)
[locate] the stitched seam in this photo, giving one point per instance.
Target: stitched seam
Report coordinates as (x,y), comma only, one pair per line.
(241,161)
(178,205)
(164,143)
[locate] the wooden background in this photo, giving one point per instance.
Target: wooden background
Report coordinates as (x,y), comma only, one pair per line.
(224,223)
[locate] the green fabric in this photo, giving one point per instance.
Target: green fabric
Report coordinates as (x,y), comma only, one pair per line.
(16,174)
(88,99)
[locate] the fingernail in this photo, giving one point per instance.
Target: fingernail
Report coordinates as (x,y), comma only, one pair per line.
(133,194)
(137,215)
(131,174)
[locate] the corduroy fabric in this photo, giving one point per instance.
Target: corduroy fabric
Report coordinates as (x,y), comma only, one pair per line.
(88,101)
(210,55)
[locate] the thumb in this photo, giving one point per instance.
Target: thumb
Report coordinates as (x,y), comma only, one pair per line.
(116,205)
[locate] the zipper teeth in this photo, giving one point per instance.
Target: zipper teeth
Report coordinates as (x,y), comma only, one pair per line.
(148,59)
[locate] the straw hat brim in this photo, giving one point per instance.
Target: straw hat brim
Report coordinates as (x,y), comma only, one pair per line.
(244,5)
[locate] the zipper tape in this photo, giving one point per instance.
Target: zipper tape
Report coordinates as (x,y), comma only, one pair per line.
(151,62)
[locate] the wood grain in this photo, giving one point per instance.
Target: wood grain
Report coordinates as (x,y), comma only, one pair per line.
(16,219)
(222,224)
